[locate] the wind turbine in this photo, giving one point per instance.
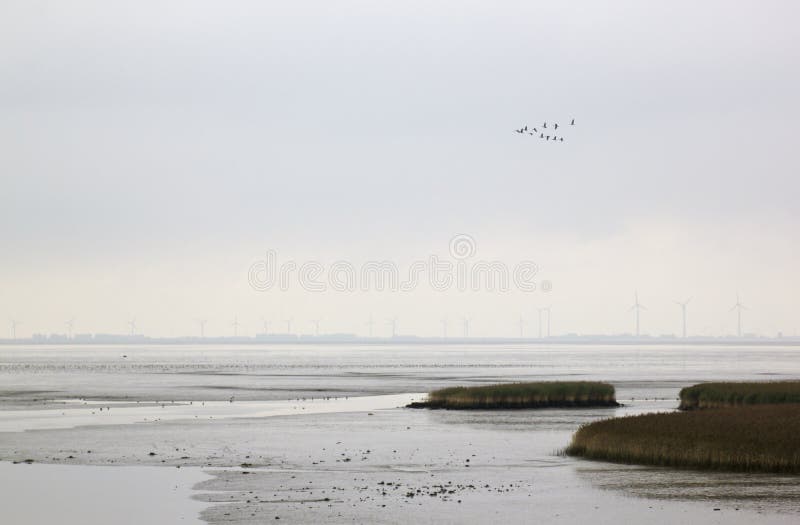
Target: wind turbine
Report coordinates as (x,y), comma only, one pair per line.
(393,322)
(738,307)
(444,327)
(465,321)
(637,307)
(14,325)
(545,309)
(683,313)
(266,325)
(235,325)
(370,323)
(132,324)
(202,323)
(521,323)
(288,325)
(315,322)
(70,324)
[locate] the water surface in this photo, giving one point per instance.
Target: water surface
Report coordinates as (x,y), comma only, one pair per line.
(313,433)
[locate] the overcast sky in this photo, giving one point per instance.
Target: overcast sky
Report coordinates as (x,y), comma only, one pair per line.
(150,152)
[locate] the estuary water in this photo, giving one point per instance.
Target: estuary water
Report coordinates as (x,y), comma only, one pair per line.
(313,433)
(166,373)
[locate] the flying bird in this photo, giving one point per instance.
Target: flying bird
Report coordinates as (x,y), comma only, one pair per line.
(533,131)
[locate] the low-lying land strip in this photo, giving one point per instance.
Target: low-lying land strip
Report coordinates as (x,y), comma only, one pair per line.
(719,395)
(522,395)
(757,438)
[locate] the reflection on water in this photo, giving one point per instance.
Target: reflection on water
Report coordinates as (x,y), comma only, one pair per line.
(754,491)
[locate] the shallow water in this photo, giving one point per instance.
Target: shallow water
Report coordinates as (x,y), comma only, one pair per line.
(39,494)
(215,372)
(99,412)
(171,406)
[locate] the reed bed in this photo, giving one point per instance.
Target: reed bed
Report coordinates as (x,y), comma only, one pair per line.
(522,395)
(754,438)
(719,395)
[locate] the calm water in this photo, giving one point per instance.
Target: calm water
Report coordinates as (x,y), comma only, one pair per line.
(283,372)
(318,431)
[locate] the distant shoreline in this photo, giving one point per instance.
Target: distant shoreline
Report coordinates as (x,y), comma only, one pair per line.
(282,339)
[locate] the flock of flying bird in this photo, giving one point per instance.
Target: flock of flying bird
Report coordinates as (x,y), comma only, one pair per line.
(534,131)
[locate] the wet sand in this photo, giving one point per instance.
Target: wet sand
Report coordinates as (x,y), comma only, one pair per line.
(403,465)
(361,460)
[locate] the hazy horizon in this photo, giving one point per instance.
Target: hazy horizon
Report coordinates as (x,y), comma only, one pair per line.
(153,152)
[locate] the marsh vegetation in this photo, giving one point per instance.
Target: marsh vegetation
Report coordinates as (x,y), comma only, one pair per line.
(720,395)
(753,438)
(523,395)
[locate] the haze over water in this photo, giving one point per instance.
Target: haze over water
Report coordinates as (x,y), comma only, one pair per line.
(153,152)
(360,173)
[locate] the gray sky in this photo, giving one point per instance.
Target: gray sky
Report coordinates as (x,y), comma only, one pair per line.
(151,151)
